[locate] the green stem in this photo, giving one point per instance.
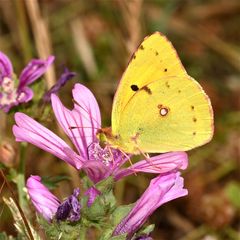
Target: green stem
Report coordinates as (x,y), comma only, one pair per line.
(82,233)
(21,178)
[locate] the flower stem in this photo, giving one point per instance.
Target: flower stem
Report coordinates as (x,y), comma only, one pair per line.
(82,234)
(21,178)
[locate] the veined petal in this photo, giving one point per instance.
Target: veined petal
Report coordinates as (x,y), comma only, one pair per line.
(64,78)
(86,104)
(96,170)
(25,95)
(81,123)
(28,130)
(35,69)
(6,69)
(162,189)
(43,200)
(158,164)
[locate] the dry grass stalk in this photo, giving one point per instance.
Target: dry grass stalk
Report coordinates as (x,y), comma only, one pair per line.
(42,37)
(131,11)
(83,47)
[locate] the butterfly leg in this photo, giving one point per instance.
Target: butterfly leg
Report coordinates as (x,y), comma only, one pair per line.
(129,159)
(148,159)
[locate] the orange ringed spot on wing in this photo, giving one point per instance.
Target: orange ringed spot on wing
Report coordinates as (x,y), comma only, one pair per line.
(163,111)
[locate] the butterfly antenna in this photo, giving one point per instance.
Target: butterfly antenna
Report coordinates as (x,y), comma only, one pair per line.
(74,127)
(74,101)
(18,206)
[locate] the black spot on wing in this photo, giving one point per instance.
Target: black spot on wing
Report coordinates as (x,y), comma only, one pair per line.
(134,88)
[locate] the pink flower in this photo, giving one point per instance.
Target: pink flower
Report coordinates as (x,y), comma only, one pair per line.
(81,125)
(10,95)
(43,200)
(50,206)
(162,189)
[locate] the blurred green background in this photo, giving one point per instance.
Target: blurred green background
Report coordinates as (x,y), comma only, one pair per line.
(95,39)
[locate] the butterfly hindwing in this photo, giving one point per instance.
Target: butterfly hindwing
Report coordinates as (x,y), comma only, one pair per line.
(158,107)
(169,114)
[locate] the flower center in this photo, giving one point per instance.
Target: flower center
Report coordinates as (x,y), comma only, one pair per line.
(8,93)
(7,85)
(97,153)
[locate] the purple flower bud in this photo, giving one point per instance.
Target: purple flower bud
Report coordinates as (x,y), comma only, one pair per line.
(70,208)
(43,200)
(66,76)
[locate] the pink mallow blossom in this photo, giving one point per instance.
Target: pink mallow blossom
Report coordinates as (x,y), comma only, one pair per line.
(81,125)
(49,206)
(12,95)
(43,200)
(162,189)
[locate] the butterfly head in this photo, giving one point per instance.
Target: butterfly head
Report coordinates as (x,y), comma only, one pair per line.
(105,136)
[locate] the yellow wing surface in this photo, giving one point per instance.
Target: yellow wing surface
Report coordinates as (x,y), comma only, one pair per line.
(158,107)
(170,114)
(155,58)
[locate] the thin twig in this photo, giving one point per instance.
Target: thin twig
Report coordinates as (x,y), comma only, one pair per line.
(18,206)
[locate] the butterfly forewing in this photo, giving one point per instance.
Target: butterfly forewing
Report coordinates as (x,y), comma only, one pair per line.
(155,58)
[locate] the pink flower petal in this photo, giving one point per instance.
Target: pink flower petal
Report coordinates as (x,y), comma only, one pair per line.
(28,130)
(35,69)
(162,189)
(6,69)
(43,200)
(80,124)
(96,170)
(158,164)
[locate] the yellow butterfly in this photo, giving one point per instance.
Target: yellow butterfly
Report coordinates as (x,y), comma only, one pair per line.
(157,107)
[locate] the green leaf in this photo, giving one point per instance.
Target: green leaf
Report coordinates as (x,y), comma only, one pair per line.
(108,236)
(61,230)
(145,231)
(51,182)
(105,185)
(233,192)
(120,213)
